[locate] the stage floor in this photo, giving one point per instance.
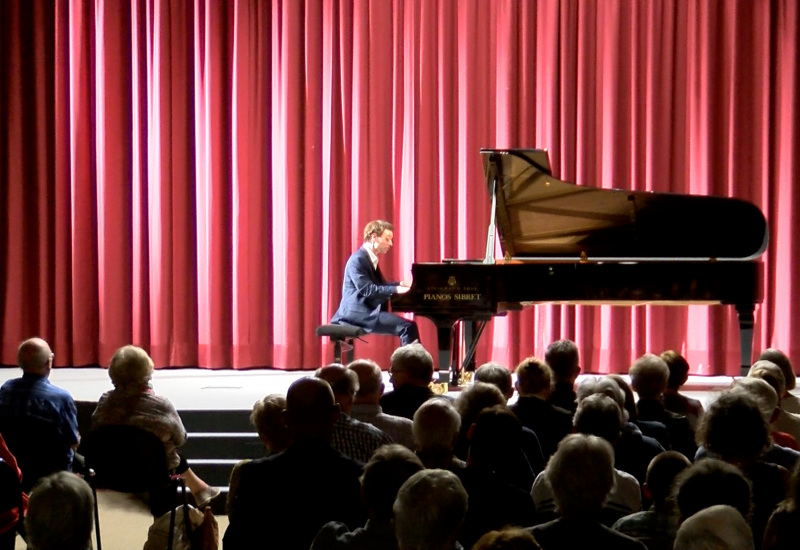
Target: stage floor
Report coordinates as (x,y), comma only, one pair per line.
(205,389)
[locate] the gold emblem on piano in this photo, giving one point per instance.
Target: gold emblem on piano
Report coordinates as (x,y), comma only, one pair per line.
(439,388)
(451,281)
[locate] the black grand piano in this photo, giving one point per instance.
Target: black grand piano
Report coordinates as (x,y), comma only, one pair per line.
(566,243)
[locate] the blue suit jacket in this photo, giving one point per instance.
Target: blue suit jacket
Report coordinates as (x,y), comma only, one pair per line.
(364,292)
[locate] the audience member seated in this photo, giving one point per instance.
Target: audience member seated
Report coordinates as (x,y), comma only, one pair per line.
(384,474)
(789,402)
(285,499)
(633,451)
(581,474)
(657,526)
(9,513)
(718,527)
(132,402)
(33,396)
(733,430)
(711,481)
(550,423)
(436,428)
(494,500)
(512,538)
(410,373)
(649,375)
(469,404)
(766,399)
(672,399)
(654,430)
(267,419)
(497,375)
(564,359)
(782,528)
(429,511)
(599,415)
(367,408)
(351,437)
(60,514)
(782,421)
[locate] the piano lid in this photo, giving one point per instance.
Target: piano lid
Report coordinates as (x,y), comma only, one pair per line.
(539,215)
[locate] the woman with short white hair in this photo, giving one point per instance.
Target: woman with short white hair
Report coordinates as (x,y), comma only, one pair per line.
(133,402)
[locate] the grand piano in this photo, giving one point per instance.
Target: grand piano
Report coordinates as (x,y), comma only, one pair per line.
(572,244)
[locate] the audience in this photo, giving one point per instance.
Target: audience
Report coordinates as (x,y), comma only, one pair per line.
(600,416)
(132,402)
(497,375)
(718,527)
(525,462)
(351,437)
(633,451)
(286,498)
(10,501)
(672,399)
(479,490)
(436,428)
(653,430)
(657,527)
(60,514)
(266,417)
(33,396)
(534,386)
(708,482)
(410,373)
(512,538)
(564,359)
(494,499)
(581,474)
(384,474)
(782,531)
(367,408)
(766,399)
(733,430)
(649,375)
(789,402)
(429,511)
(782,422)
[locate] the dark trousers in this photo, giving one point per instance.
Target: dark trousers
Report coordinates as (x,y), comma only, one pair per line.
(389,323)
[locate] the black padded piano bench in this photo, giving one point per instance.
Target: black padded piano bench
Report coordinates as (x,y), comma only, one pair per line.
(342,336)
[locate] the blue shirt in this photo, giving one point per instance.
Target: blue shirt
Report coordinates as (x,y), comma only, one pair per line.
(34,395)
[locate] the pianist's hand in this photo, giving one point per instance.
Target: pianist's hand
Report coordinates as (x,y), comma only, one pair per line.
(402,289)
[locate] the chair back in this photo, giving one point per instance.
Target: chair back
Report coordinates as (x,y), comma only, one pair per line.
(38,446)
(126,459)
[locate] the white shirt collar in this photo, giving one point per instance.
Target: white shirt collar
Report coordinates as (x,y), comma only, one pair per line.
(372,256)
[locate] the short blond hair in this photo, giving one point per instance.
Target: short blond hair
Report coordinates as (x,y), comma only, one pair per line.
(267,419)
(130,368)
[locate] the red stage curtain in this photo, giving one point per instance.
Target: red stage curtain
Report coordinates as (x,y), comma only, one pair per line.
(191,175)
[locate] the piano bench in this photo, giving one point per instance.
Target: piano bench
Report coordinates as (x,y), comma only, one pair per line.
(342,337)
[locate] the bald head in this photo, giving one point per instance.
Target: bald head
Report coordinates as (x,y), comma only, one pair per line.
(370,380)
(310,408)
(34,356)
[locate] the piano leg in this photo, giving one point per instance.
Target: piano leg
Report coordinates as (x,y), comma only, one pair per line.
(445,337)
(746,322)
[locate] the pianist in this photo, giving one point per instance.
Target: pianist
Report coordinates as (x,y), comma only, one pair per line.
(365,290)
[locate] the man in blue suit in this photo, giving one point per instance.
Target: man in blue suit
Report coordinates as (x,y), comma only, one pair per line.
(365,290)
